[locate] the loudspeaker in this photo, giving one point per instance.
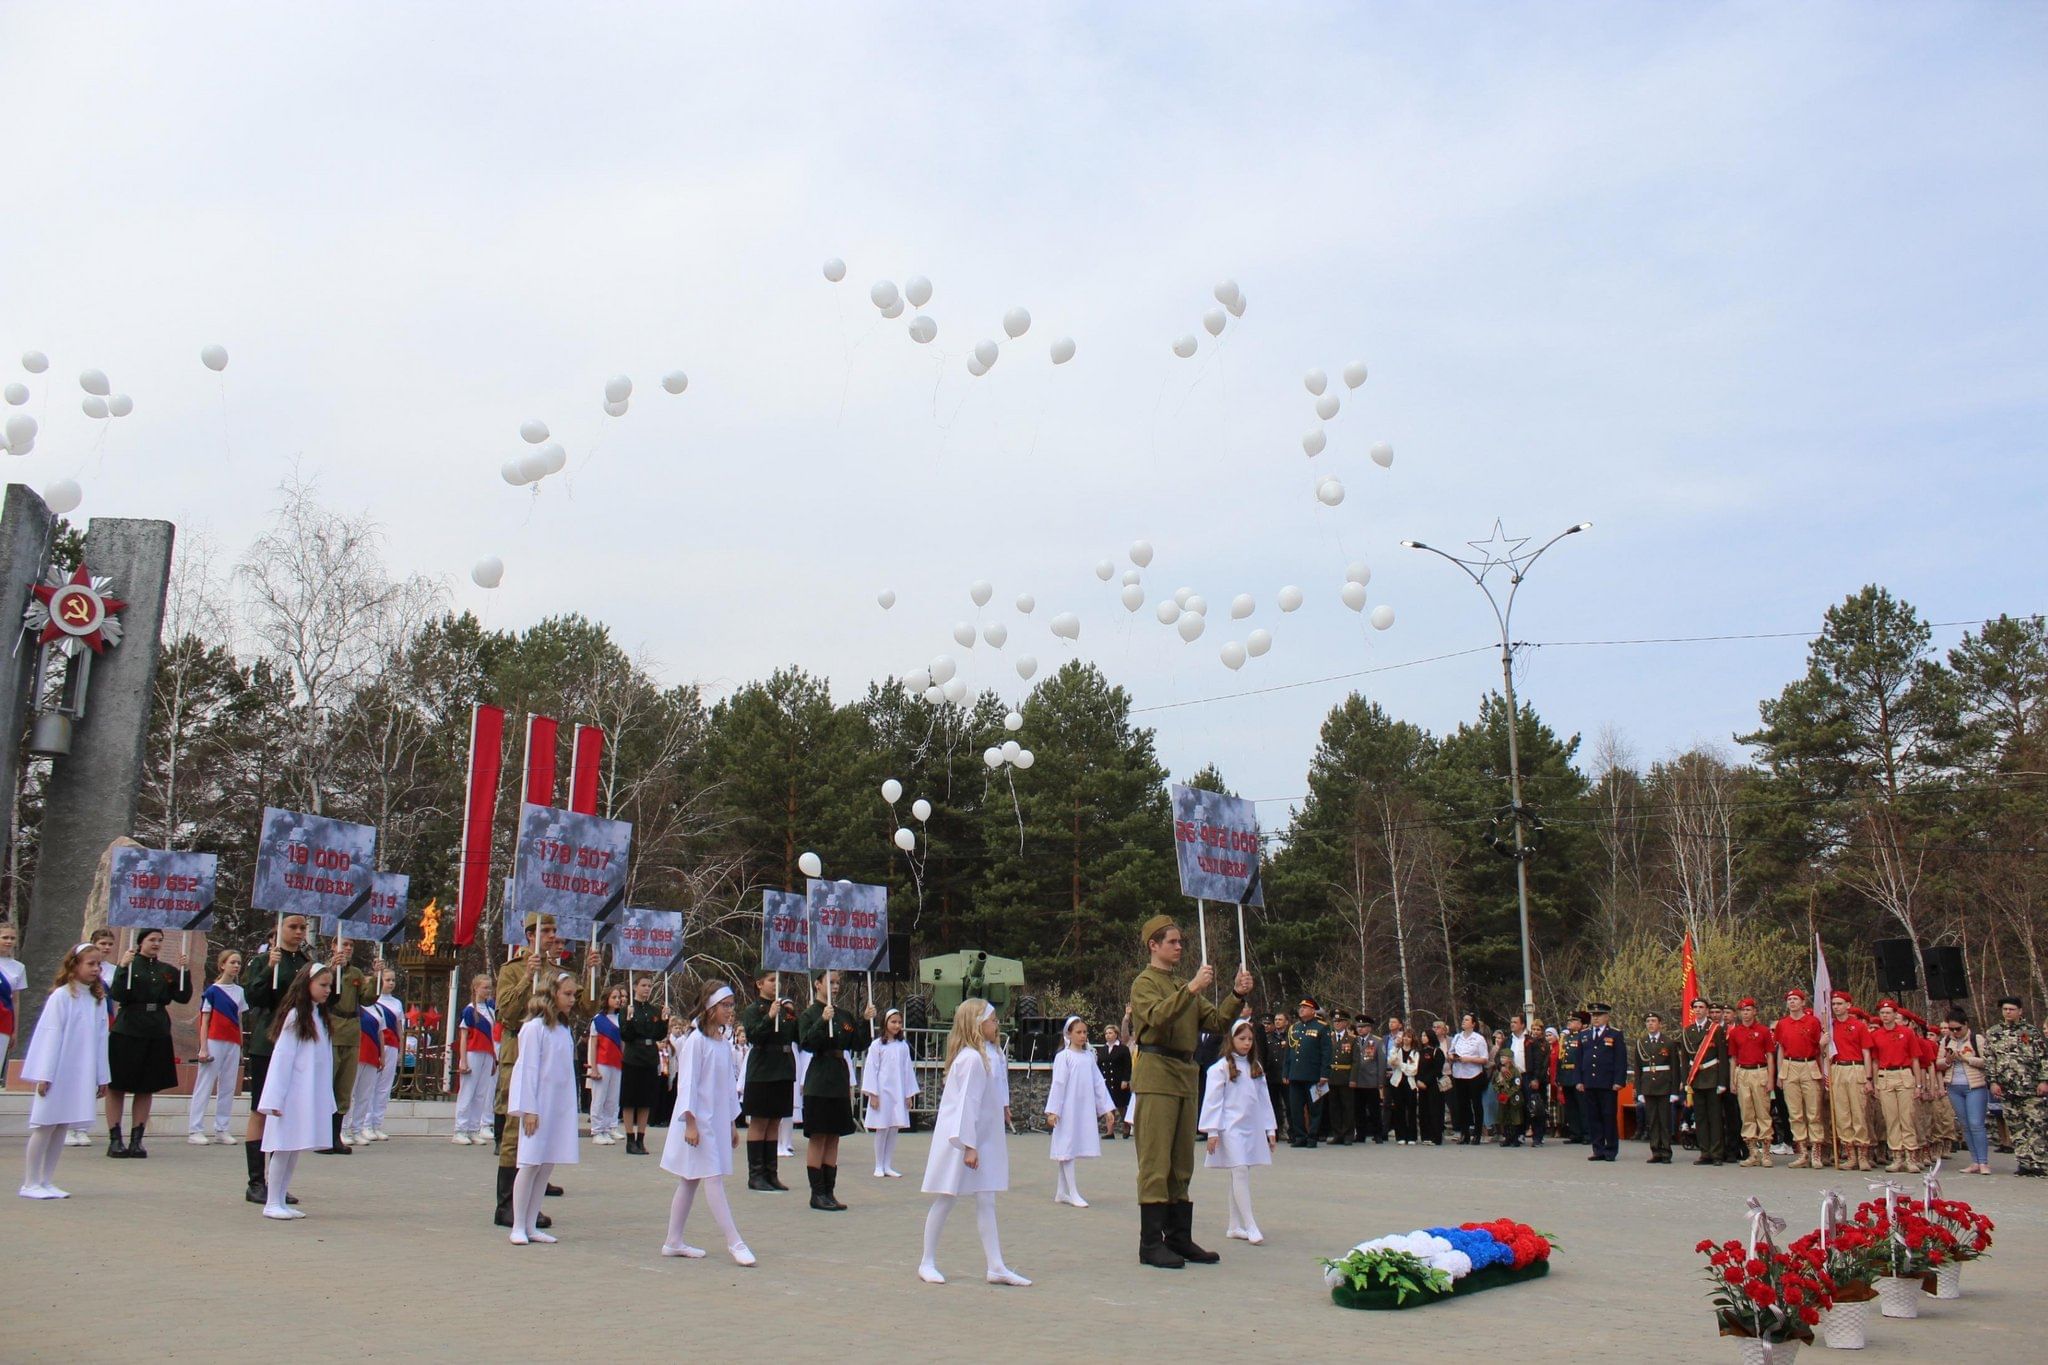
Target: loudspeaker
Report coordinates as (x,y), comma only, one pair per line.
(899,959)
(1896,970)
(1946,977)
(1036,1038)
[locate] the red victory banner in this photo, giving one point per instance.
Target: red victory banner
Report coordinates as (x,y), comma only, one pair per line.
(479,811)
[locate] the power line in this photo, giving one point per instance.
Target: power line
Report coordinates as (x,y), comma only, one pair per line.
(1312,682)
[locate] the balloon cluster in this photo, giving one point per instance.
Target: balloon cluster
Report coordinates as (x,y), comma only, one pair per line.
(1187,611)
(1329,488)
(921,810)
(891,302)
(1231,298)
(1353,592)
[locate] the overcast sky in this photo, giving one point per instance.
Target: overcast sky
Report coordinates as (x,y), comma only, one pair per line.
(1758,290)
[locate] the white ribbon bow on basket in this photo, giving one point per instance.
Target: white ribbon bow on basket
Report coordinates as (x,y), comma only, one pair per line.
(1932,1182)
(1761,1225)
(1834,1211)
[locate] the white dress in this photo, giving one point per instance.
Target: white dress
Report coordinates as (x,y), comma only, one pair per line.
(300,1087)
(1080,1099)
(1241,1113)
(704,1090)
(69,1050)
(544,1085)
(970,1115)
(889,1075)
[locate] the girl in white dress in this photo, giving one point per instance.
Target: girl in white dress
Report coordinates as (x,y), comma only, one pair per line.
(67,1064)
(1075,1105)
(298,1091)
(220,1054)
(1237,1114)
(701,1132)
(543,1095)
(888,1080)
(479,1065)
(969,1152)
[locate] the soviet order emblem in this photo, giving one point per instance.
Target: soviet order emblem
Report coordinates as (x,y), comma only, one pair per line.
(75,611)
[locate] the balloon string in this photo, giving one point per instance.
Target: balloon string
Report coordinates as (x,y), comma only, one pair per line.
(227,445)
(1010,776)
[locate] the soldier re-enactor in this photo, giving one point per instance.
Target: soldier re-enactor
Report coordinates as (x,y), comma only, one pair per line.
(351,992)
(2017,1060)
(1706,1060)
(1657,1082)
(1308,1065)
(515,993)
(1167,1020)
(264,981)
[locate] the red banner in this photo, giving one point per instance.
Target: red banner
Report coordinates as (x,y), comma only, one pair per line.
(479,812)
(1689,989)
(541,733)
(589,755)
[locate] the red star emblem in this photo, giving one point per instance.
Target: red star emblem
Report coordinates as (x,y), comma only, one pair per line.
(76,609)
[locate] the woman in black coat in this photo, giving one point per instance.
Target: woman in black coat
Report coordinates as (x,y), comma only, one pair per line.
(1429,1074)
(1536,1081)
(1115,1062)
(642,1030)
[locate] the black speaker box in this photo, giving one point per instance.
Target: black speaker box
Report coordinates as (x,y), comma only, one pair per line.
(1946,977)
(1896,970)
(899,959)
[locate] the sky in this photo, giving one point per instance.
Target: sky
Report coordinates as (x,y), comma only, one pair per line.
(1757,290)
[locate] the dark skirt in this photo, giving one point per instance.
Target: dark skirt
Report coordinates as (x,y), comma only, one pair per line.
(769,1099)
(828,1116)
(639,1087)
(140,1066)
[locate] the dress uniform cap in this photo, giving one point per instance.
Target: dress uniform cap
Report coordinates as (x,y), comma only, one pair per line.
(1310,1001)
(539,920)
(1583,1016)
(1597,1007)
(1156,926)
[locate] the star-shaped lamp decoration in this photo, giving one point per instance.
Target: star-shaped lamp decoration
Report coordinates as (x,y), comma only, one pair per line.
(1498,548)
(74,612)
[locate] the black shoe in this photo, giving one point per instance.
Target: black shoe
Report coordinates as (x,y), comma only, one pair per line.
(552,1192)
(115,1147)
(1596,1157)
(2030,1170)
(257,1193)
(1704,1161)
(819,1200)
(1152,1248)
(334,1146)
(135,1149)
(755,1180)
(1180,1223)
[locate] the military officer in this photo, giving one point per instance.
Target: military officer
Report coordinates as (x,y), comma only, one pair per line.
(1706,1061)
(1603,1068)
(264,980)
(1337,1105)
(2017,1060)
(1656,1058)
(1569,1044)
(352,990)
(1308,1065)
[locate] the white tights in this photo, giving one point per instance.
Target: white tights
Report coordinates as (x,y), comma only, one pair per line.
(1069,1187)
(527,1188)
(885,1150)
(721,1211)
(45,1144)
(279,1176)
(1241,1203)
(984,1220)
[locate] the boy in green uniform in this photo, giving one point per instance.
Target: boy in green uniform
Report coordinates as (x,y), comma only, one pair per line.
(1657,1082)
(352,990)
(1706,1061)
(1167,1021)
(264,981)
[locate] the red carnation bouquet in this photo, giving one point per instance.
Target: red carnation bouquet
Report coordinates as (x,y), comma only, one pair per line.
(1766,1293)
(1967,1228)
(1914,1243)
(1852,1259)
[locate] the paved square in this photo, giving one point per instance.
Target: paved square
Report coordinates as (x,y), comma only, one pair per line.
(396,1262)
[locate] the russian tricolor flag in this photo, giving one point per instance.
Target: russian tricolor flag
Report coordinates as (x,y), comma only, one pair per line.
(223,1018)
(6,1005)
(479,1029)
(370,1051)
(391,1035)
(611,1044)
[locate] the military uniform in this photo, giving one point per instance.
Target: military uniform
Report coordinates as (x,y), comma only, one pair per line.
(139,1056)
(1706,1059)
(1308,1065)
(1602,1069)
(1657,1076)
(514,994)
(1343,1057)
(2016,1061)
(352,990)
(1568,1045)
(770,1092)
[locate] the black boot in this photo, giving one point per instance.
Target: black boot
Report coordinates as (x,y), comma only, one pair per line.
(832,1188)
(115,1147)
(259,1184)
(769,1163)
(1152,1249)
(497,1132)
(334,1147)
(1180,1224)
(819,1199)
(135,1148)
(756,1178)
(503,1217)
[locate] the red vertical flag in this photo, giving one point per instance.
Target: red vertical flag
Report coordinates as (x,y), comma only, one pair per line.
(541,732)
(588,756)
(479,811)
(1690,990)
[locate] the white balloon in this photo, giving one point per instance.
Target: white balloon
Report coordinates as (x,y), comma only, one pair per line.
(810,865)
(1313,443)
(533,467)
(1212,322)
(1315,381)
(986,352)
(1026,603)
(886,598)
(1027,664)
(1181,596)
(553,458)
(981,590)
(893,310)
(1354,596)
(918,290)
(21,429)
(487,572)
(214,357)
(922,809)
(943,669)
(1197,604)
(1290,598)
(1330,492)
(1062,350)
(1011,748)
(1190,626)
(975,367)
(1105,569)
(882,293)
(618,389)
(1233,656)
(1258,642)
(1236,305)
(120,405)
(23,448)
(675,381)
(1358,572)
(1382,616)
(1184,345)
(1354,374)
(934,695)
(1067,626)
(1132,576)
(1168,612)
(892,791)
(1226,291)
(1141,553)
(1016,323)
(992,756)
(617,409)
(923,329)
(1326,406)
(533,431)
(955,690)
(918,679)
(835,269)
(513,471)
(963,635)
(905,840)
(1013,722)
(1242,605)
(94,382)
(63,496)
(17,394)
(1133,596)
(1383,455)
(1024,759)
(35,362)
(93,407)
(996,634)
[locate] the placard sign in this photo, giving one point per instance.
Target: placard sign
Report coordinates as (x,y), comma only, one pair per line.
(850,926)
(382,917)
(1216,844)
(155,888)
(785,932)
(313,866)
(647,940)
(570,866)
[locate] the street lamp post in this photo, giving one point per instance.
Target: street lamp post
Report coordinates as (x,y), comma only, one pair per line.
(1497,550)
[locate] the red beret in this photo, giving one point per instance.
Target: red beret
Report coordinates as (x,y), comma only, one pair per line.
(1748,1003)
